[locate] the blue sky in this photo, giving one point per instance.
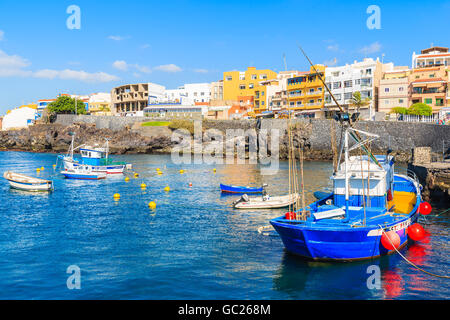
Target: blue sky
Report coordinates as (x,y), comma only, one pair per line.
(177,42)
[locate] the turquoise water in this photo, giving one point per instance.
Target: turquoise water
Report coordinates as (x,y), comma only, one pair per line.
(193,246)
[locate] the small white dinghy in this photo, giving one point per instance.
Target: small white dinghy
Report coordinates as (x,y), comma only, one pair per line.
(23,182)
(265,202)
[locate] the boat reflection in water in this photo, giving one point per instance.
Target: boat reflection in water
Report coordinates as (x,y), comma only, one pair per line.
(299,278)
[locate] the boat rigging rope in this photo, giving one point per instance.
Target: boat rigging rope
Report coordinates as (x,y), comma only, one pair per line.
(406,259)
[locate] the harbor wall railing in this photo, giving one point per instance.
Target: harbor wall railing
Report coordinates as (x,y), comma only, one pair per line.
(398,136)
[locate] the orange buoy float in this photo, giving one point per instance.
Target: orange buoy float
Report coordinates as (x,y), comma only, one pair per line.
(425,208)
(390,240)
(190,184)
(416,232)
(290,215)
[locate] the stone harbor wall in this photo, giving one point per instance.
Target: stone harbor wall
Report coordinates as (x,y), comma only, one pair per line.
(320,137)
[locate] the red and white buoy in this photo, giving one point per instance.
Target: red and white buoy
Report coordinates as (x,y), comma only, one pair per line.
(390,240)
(416,232)
(425,208)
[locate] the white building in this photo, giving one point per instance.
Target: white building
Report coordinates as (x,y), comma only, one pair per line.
(434,56)
(363,76)
(19,118)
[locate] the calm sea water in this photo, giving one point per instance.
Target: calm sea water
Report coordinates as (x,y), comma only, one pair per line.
(193,246)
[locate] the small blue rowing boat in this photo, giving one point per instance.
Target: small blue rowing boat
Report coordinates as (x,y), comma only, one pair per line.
(236,189)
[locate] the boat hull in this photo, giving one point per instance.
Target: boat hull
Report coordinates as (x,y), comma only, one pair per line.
(31,186)
(344,245)
(272,203)
(80,176)
(108,169)
(239,190)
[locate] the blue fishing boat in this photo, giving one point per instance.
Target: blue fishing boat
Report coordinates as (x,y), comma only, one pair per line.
(83,173)
(237,189)
(367,214)
(97,158)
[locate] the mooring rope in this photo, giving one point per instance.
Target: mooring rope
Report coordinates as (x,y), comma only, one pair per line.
(406,259)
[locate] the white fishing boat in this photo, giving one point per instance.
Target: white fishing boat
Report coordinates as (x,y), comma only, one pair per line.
(265,202)
(83,173)
(27,183)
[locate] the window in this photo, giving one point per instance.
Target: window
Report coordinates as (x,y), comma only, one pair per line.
(401,89)
(195,94)
(400,101)
(202,94)
(242,77)
(368,71)
(335,74)
(432,75)
(242,86)
(386,102)
(263,76)
(262,93)
(348,84)
(357,81)
(311,90)
(386,89)
(428,101)
(337,85)
(262,102)
(253,76)
(228,78)
(347,96)
(337,96)
(251,86)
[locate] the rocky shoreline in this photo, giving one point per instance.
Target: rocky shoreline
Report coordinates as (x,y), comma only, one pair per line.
(55,138)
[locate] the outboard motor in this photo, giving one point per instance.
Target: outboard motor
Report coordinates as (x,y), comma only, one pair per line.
(244,198)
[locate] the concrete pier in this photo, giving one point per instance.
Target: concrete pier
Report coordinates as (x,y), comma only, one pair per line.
(433,175)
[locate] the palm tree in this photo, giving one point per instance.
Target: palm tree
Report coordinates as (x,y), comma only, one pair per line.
(358,102)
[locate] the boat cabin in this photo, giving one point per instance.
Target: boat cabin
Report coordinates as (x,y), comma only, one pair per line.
(367,181)
(93,156)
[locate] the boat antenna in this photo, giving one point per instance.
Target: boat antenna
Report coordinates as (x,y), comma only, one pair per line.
(354,134)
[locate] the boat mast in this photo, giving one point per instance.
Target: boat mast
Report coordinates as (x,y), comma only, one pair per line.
(346,172)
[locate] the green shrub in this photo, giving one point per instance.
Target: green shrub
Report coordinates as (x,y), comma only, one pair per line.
(182,124)
(420,109)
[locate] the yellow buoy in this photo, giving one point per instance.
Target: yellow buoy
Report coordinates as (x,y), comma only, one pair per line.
(136,174)
(214,170)
(127,179)
(160,172)
(143,186)
(152,205)
(42,168)
(38,169)
(54,166)
(181,171)
(167,189)
(116,196)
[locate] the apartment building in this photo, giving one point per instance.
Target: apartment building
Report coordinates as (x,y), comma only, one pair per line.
(274,95)
(100,104)
(133,98)
(363,76)
(305,92)
(431,57)
(429,85)
(394,89)
(241,86)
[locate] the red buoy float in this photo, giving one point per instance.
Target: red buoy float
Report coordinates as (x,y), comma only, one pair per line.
(416,232)
(389,195)
(290,216)
(425,208)
(394,240)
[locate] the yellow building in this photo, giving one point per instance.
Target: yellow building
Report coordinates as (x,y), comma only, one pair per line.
(306,91)
(241,87)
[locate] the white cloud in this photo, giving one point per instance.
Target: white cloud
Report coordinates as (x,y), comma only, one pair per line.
(145,46)
(330,63)
(15,66)
(69,74)
(333,47)
(2,35)
(124,66)
(117,38)
(201,70)
(168,68)
(120,65)
(372,48)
